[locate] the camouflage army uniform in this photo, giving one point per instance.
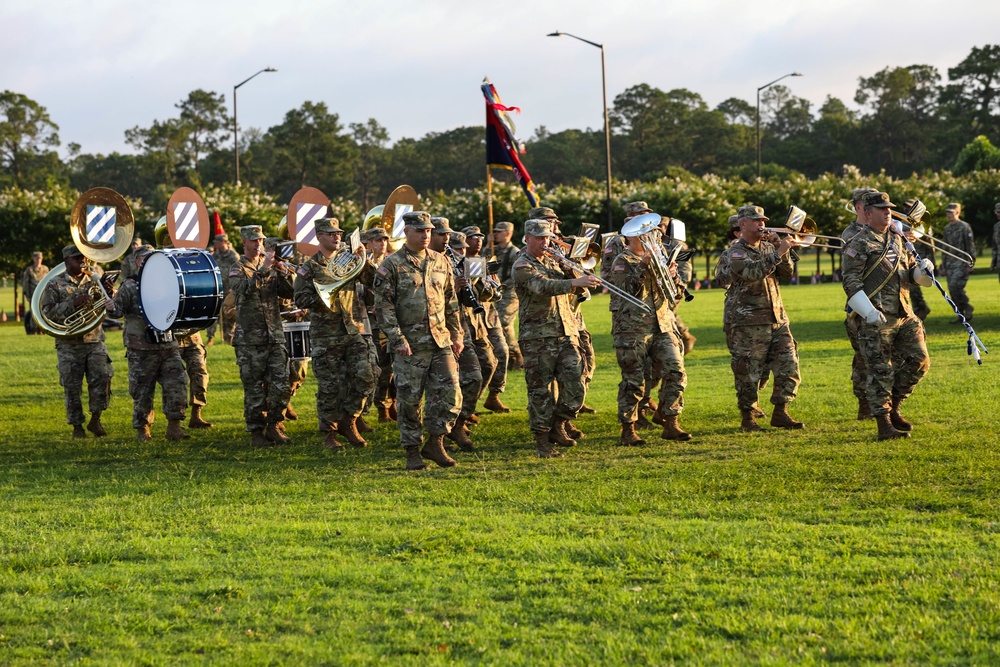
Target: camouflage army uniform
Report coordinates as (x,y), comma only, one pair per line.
(79,356)
(31,277)
(477,332)
(640,336)
(260,340)
(895,353)
(761,338)
(343,356)
(415,301)
(549,341)
(858,372)
(128,267)
(193,354)
(149,361)
(507,306)
(995,264)
(225,259)
(958,234)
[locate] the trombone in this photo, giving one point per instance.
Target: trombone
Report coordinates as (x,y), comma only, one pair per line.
(804,231)
(909,221)
(557,251)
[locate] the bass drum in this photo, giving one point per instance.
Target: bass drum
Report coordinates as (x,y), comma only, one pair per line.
(180,289)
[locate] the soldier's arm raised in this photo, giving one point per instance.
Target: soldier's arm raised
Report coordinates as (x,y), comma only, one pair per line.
(305,291)
(530,278)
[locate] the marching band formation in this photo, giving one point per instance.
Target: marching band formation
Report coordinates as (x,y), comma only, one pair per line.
(422,332)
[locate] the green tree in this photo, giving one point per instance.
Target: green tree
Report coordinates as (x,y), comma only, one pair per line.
(371,139)
(203,114)
(27,135)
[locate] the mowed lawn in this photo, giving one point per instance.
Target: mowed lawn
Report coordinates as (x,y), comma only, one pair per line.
(809,546)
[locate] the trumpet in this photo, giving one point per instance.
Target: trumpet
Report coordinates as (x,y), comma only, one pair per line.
(556,253)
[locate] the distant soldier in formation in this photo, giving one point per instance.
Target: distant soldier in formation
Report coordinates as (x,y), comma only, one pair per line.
(858,372)
(259,285)
(153,356)
(995,264)
(505,252)
(384,396)
(193,354)
(549,339)
(129,266)
(32,275)
(877,275)
(415,301)
(497,383)
(761,338)
(225,257)
(83,356)
(958,233)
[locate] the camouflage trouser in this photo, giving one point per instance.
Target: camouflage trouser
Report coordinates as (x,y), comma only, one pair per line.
(587,354)
(507,310)
(896,359)
(385,388)
(918,301)
(264,373)
(502,353)
(193,356)
(345,376)
(79,360)
(757,349)
(145,369)
(548,360)
(470,377)
(858,372)
(298,370)
(434,372)
(957,279)
(665,353)
(487,362)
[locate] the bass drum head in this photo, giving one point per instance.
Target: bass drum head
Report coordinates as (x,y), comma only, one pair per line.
(159,291)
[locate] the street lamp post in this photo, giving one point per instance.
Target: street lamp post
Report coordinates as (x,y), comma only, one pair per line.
(607,126)
(766,85)
(236,126)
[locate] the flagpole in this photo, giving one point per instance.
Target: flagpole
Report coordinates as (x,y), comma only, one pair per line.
(489,203)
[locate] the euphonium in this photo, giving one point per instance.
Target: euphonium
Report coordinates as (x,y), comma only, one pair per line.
(344,265)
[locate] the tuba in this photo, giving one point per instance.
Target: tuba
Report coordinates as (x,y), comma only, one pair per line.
(102,227)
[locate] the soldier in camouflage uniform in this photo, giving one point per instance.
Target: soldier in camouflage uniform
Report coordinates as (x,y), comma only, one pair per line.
(641,336)
(958,233)
(877,276)
(192,352)
(995,263)
(549,339)
(225,257)
(128,267)
(384,396)
(79,356)
(761,338)
(153,356)
(858,372)
(259,284)
(341,354)
(505,252)
(415,300)
(32,275)
(490,297)
(470,370)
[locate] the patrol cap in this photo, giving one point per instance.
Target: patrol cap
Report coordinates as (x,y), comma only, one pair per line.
(734,221)
(221,237)
(373,234)
(996,209)
(417,220)
(859,193)
(751,213)
(957,208)
(37,253)
(542,212)
(635,208)
(472,230)
(441,225)
(457,240)
(538,228)
(877,200)
(71,251)
(142,251)
(328,225)
(271,242)
(251,233)
(509,226)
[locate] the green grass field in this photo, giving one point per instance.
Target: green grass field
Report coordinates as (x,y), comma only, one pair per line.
(781,547)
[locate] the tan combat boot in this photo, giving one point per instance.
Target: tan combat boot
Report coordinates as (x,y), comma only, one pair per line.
(413,460)
(472,419)
(330,441)
(886,430)
(689,340)
(587,410)
(78,431)
(362,425)
(494,403)
(290,413)
(434,450)
(897,420)
(383,414)
(672,430)
(629,438)
(864,410)
(559,436)
(749,423)
(393,414)
(544,448)
(257,439)
(572,431)
(781,419)
(515,362)
(642,423)
(142,434)
(175,431)
(196,420)
(460,436)
(349,430)
(95,426)
(274,433)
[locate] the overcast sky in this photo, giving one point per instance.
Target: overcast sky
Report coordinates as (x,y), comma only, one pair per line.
(103,66)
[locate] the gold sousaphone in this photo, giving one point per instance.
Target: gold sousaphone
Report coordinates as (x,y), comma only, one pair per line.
(100,209)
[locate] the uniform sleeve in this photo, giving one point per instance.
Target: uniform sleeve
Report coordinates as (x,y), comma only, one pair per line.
(304,290)
(244,281)
(124,301)
(753,269)
(385,303)
(451,318)
(627,276)
(57,304)
(527,275)
(285,286)
(723,270)
(853,266)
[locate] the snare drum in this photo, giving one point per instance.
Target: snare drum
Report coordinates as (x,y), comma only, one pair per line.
(297,340)
(180,289)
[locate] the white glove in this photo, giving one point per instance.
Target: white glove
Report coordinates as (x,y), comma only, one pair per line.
(923,273)
(863,306)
